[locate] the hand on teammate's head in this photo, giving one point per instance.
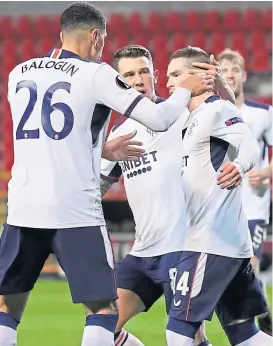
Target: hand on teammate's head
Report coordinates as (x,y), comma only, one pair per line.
(198,84)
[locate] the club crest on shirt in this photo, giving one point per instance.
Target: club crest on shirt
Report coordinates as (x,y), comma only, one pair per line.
(151,132)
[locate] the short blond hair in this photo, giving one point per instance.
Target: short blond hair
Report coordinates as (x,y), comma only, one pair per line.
(233,56)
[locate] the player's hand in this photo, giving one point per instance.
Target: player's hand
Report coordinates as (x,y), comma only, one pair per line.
(213,70)
(230,176)
(255,178)
(123,148)
(198,84)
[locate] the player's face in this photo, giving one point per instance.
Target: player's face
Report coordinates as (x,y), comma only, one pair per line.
(234,75)
(139,73)
(178,71)
(97,43)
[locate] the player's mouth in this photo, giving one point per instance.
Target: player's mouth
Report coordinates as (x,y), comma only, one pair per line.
(143,92)
(231,82)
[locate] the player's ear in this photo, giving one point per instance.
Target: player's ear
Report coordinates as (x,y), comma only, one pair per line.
(95,36)
(156,75)
(61,36)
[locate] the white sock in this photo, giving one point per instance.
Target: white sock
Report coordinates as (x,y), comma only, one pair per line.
(126,339)
(259,339)
(174,339)
(8,336)
(95,336)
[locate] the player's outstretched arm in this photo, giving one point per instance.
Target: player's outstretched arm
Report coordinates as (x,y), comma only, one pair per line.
(221,85)
(111,90)
(229,127)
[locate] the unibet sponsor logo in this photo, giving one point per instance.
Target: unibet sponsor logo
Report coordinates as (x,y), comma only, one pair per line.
(142,165)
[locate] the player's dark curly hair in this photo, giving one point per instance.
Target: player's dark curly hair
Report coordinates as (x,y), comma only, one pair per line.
(192,53)
(132,51)
(81,15)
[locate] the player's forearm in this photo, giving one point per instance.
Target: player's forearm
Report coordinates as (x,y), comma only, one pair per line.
(248,152)
(105,185)
(159,117)
(226,93)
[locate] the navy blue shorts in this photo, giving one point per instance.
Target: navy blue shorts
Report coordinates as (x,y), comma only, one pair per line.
(148,277)
(206,283)
(258,235)
(85,255)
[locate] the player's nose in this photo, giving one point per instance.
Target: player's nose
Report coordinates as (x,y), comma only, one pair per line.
(138,80)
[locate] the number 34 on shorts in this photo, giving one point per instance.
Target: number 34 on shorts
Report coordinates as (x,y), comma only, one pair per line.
(179,284)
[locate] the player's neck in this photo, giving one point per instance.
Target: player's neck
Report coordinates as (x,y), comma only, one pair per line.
(76,49)
(198,100)
(240,99)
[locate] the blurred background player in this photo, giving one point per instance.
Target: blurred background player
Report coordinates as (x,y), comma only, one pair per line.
(57,112)
(152,184)
(214,272)
(256,184)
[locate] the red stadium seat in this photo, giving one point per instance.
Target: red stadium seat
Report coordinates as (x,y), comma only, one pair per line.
(24,27)
(119,42)
(238,40)
(257,41)
(218,43)
(42,26)
(260,62)
(135,24)
(211,20)
(116,24)
(178,41)
(9,48)
(154,23)
(28,50)
(161,61)
(231,20)
(266,20)
(45,45)
(199,40)
(173,22)
(141,40)
(55,27)
(6,28)
(192,21)
(160,44)
(250,19)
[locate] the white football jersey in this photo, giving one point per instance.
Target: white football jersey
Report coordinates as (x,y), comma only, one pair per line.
(216,224)
(256,200)
(59,106)
(153,188)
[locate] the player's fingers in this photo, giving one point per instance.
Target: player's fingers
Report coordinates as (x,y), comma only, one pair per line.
(203,65)
(132,158)
(132,149)
(225,176)
(136,143)
(231,183)
(128,135)
(213,60)
(224,171)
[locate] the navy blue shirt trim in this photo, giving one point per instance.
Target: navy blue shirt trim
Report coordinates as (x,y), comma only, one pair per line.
(256,104)
(66,54)
(133,105)
(212,98)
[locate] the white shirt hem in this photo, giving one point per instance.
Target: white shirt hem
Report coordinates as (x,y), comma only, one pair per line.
(60,225)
